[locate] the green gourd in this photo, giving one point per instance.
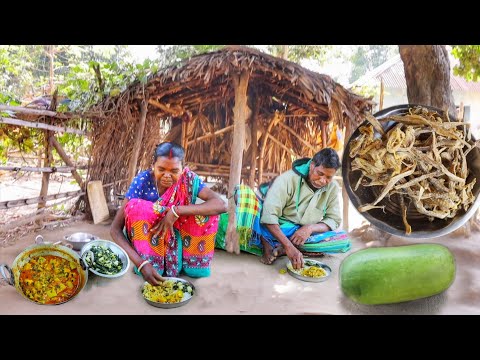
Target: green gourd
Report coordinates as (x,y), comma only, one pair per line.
(396,274)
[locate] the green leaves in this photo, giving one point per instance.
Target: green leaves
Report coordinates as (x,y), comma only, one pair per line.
(82,84)
(368,57)
(172,54)
(469,56)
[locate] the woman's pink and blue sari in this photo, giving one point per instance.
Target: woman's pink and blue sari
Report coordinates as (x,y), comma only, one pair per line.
(191,245)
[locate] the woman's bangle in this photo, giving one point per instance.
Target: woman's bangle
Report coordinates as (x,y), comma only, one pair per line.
(173,210)
(142,265)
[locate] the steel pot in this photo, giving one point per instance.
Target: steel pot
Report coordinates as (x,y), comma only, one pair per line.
(79,239)
(41,248)
(391,221)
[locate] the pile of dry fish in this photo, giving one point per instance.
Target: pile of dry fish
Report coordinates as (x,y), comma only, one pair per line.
(422,158)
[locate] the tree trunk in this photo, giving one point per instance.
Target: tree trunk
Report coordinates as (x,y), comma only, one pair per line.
(284,52)
(51,55)
(427,73)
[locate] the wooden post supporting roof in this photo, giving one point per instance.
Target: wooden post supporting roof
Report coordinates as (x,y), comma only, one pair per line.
(346,201)
(138,141)
(239,117)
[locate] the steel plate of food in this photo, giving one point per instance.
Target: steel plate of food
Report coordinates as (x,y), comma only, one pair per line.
(172,293)
(312,271)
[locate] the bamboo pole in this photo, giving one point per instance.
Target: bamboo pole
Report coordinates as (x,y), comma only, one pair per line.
(265,137)
(185,136)
(30,201)
(37,125)
(254,142)
(226,174)
(25,110)
(67,160)
(214,173)
(175,110)
(214,166)
(46,175)
(239,117)
(138,141)
(62,169)
(279,143)
(209,135)
(323,127)
(54,114)
(291,131)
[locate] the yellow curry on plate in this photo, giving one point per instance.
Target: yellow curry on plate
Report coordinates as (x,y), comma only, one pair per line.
(170,291)
(313,271)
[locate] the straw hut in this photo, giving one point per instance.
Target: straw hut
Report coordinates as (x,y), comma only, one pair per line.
(241,115)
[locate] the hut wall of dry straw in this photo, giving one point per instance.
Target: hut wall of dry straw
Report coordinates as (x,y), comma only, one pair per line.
(290,112)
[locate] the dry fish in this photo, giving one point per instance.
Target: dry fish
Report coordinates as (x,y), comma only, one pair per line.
(421,160)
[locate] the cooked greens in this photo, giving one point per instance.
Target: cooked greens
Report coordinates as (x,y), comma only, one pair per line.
(103,260)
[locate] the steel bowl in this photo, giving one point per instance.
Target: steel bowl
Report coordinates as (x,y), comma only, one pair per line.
(310,262)
(112,246)
(390,221)
(186,297)
(41,248)
(79,239)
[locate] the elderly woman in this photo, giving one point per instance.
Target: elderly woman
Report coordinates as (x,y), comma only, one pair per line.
(166,232)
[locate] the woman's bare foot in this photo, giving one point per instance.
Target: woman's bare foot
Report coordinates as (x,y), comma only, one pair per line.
(279,251)
(268,258)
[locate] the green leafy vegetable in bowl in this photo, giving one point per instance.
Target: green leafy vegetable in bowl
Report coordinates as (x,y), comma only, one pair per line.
(103,260)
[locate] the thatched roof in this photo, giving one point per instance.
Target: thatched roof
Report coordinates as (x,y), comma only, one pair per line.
(206,78)
(291,99)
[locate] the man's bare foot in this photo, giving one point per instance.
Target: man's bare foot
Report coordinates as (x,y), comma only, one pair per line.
(268,258)
(279,251)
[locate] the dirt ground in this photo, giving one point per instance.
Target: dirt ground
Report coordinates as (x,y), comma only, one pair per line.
(240,284)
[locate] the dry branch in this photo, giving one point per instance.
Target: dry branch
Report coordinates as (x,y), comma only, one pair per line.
(67,160)
(25,110)
(37,125)
(62,169)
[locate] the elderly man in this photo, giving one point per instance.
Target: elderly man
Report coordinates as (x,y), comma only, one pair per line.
(300,203)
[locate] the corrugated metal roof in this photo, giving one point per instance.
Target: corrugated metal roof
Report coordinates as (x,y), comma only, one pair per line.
(393,76)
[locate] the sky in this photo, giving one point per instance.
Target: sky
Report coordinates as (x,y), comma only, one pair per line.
(142,52)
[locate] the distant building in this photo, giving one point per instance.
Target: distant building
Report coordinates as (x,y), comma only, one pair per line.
(395,90)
